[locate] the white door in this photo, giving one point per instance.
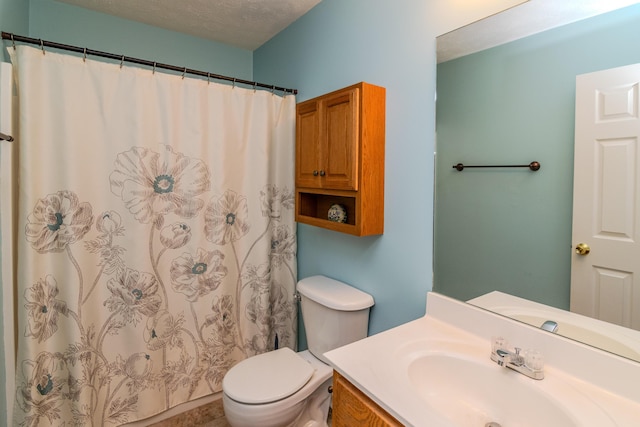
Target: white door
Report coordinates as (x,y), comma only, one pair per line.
(605,282)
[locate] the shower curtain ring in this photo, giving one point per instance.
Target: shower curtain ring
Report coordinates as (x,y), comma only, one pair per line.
(84,57)
(234,83)
(183,72)
(154,68)
(273,90)
(13,42)
(208,78)
(254,87)
(42,46)
(121,61)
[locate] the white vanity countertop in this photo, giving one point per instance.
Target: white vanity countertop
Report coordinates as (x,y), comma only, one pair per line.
(606,382)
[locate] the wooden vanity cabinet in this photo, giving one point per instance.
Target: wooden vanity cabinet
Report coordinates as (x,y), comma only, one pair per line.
(351,407)
(340,140)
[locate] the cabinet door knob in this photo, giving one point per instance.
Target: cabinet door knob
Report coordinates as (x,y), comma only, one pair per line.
(322,173)
(315,173)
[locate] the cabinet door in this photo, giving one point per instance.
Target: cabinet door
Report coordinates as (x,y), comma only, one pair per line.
(308,150)
(351,407)
(340,141)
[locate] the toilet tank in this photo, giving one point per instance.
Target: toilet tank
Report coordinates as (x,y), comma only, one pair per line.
(334,314)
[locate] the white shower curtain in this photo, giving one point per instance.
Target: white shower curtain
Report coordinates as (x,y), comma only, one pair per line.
(156,237)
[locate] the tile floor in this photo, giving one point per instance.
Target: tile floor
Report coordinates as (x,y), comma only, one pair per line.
(209,415)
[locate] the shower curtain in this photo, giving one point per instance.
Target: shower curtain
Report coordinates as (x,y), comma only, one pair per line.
(156,240)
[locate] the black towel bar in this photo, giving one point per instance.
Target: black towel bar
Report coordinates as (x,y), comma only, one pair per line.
(534,166)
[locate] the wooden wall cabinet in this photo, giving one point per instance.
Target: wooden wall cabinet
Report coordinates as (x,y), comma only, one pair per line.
(340,141)
(351,407)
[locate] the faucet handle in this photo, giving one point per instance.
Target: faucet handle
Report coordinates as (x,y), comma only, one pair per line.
(533,360)
(498,343)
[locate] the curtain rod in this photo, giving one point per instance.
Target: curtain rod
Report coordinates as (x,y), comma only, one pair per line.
(122,58)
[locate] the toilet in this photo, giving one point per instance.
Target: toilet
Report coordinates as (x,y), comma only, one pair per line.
(283,388)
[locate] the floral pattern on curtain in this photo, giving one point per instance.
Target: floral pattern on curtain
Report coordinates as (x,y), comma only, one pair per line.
(156,237)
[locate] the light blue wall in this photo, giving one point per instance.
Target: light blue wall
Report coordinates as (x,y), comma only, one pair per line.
(391,44)
(510,230)
(14,18)
(14,15)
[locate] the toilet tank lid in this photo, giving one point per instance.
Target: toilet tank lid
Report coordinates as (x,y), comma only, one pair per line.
(334,294)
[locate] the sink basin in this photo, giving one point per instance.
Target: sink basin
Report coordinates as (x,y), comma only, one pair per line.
(468,393)
(458,384)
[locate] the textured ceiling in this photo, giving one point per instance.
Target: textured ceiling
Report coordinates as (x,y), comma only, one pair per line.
(520,21)
(248,24)
(242,23)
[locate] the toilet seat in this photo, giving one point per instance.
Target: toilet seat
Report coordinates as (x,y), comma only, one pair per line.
(267,377)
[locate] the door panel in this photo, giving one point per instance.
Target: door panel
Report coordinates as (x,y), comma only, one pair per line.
(341,114)
(307,148)
(613,295)
(616,167)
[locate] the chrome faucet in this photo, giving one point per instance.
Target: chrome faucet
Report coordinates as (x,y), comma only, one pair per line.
(529,364)
(550,325)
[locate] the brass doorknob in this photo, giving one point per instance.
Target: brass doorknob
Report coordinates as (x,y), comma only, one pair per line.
(583,249)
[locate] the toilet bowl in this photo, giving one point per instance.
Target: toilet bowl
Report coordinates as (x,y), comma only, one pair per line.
(282,388)
(249,401)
